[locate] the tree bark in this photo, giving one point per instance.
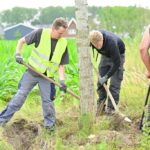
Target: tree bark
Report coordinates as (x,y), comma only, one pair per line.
(85,65)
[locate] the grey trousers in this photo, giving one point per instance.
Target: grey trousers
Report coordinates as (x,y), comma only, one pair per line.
(115,80)
(29,80)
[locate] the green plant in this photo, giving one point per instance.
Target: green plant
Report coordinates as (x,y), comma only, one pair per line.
(145,138)
(85,123)
(5,146)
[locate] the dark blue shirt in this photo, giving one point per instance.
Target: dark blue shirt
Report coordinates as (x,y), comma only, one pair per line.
(112,48)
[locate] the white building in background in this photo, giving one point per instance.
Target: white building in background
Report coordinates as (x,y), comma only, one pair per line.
(72,29)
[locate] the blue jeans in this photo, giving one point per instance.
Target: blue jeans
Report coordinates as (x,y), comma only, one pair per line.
(53,90)
(27,84)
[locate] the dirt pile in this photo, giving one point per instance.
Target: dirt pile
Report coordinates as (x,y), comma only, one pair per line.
(21,134)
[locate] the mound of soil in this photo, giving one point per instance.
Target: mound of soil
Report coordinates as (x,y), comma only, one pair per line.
(21,134)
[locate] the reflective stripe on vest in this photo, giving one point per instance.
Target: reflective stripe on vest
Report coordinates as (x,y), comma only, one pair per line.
(39,58)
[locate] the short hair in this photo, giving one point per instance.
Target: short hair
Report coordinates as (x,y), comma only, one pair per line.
(60,22)
(95,36)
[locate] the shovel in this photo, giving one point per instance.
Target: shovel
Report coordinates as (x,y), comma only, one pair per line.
(114,104)
(112,100)
(50,80)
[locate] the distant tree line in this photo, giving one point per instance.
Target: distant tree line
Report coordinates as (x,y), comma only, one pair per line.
(124,20)
(35,16)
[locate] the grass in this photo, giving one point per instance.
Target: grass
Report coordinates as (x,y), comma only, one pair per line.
(70,133)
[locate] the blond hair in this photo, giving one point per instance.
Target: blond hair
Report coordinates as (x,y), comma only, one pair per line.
(60,22)
(95,36)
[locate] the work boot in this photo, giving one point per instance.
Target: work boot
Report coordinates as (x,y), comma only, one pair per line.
(100,108)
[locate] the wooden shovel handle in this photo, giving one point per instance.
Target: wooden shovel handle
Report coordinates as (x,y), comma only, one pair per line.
(50,80)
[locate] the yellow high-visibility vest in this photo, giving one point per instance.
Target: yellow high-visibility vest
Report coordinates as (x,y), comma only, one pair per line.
(39,58)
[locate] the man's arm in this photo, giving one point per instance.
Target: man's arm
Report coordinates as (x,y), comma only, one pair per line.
(115,57)
(61,72)
(33,37)
(64,61)
(63,86)
(20,45)
(144,46)
(19,58)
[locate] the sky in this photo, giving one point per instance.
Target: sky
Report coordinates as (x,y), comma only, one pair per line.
(8,4)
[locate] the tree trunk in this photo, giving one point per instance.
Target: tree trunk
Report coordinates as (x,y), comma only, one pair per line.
(85,65)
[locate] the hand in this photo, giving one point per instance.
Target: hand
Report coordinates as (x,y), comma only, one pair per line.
(103,80)
(19,58)
(63,86)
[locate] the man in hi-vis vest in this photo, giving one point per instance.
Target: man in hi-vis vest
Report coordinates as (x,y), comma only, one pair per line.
(48,56)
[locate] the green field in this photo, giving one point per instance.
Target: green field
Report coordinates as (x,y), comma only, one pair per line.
(107,132)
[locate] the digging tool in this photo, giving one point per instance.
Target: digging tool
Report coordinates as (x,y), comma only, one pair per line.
(50,80)
(143,114)
(112,100)
(114,104)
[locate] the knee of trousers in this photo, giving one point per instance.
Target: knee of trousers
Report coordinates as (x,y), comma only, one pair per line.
(115,89)
(14,106)
(17,101)
(22,93)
